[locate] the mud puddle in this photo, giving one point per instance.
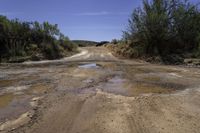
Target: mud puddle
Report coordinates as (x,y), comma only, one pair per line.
(125,87)
(38,89)
(90,65)
(16,100)
(11,106)
(6,99)
(7,82)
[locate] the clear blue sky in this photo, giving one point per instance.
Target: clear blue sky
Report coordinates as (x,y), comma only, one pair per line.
(79,19)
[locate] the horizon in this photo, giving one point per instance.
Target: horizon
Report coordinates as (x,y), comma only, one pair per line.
(98,20)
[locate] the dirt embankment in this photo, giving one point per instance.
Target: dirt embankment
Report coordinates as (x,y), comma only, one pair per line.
(125,51)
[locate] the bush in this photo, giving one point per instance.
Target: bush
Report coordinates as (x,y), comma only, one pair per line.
(114,41)
(164,27)
(32,39)
(68,45)
(52,51)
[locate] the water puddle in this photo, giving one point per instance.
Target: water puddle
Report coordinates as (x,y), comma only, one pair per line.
(38,89)
(15,80)
(15,100)
(114,85)
(175,75)
(4,83)
(91,65)
(12,124)
(125,87)
(15,88)
(6,99)
(152,79)
(88,81)
(3,75)
(11,106)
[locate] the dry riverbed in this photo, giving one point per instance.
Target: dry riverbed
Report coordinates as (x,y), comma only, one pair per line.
(94,92)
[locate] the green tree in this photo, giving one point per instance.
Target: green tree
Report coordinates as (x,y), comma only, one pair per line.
(164,27)
(24,39)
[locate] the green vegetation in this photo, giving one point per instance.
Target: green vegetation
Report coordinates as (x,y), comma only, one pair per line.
(20,41)
(102,43)
(84,43)
(163,30)
(114,41)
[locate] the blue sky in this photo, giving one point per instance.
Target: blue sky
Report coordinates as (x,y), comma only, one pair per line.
(78,19)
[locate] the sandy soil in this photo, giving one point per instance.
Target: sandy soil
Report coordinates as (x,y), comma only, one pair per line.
(94,92)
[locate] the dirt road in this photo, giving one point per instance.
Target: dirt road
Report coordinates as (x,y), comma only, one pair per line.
(94,92)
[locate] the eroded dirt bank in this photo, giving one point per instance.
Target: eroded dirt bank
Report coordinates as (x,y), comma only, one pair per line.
(94,92)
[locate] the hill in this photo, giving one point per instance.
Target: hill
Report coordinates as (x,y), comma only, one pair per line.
(84,43)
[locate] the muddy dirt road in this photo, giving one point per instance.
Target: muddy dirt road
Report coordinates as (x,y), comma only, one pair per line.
(94,92)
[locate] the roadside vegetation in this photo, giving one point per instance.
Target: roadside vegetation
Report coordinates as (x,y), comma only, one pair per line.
(21,41)
(84,43)
(163,31)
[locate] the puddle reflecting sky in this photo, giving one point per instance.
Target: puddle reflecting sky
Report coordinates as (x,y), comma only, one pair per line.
(87,66)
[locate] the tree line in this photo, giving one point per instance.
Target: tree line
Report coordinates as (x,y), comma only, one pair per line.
(163,28)
(33,40)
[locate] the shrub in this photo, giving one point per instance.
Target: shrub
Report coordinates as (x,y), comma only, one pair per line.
(32,38)
(164,27)
(114,41)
